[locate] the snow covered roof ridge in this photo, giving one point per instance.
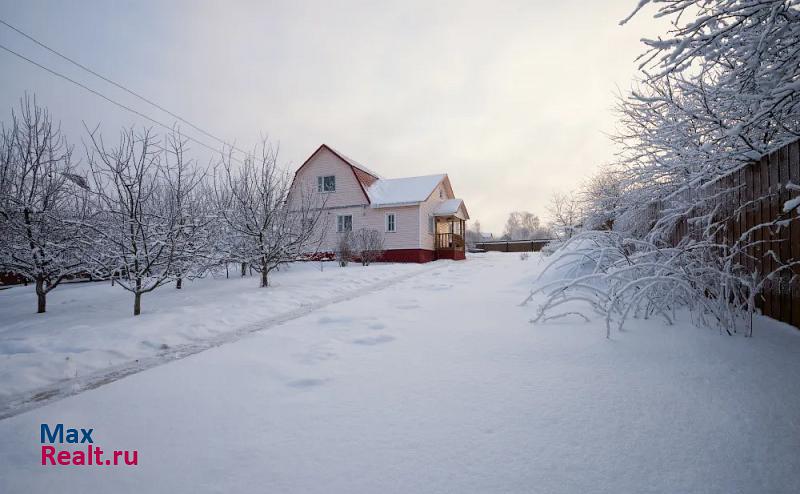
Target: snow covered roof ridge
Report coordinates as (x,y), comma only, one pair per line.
(352,162)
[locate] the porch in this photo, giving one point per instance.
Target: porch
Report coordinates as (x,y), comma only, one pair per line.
(449,238)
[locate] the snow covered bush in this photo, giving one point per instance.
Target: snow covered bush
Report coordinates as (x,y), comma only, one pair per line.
(368,245)
(345,248)
(622,278)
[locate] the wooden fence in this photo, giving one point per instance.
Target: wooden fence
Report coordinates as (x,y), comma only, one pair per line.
(513,245)
(752,196)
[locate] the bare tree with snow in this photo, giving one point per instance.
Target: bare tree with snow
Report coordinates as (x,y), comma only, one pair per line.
(565,214)
(42,202)
(136,219)
(719,90)
(523,225)
(600,199)
(191,205)
(270,226)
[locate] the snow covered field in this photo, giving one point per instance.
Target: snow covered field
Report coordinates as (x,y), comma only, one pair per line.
(88,329)
(435,383)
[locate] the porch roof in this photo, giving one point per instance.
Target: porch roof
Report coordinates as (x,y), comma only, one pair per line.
(452,207)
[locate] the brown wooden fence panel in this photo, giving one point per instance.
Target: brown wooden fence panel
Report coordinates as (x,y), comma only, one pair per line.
(794,233)
(784,294)
(767,214)
(753,196)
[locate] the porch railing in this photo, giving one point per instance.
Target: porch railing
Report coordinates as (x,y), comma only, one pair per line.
(449,241)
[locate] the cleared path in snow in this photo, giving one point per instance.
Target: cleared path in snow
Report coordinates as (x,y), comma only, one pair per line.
(439,384)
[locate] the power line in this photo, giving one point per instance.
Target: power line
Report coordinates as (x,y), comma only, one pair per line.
(96,93)
(120,86)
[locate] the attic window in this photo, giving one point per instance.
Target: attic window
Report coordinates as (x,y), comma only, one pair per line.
(441,194)
(326,184)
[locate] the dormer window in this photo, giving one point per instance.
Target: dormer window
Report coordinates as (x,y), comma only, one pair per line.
(326,184)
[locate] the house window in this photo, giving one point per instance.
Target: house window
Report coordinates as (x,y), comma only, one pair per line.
(431,223)
(441,194)
(326,184)
(344,223)
(390,223)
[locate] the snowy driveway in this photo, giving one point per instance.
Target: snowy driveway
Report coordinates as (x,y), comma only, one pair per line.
(439,384)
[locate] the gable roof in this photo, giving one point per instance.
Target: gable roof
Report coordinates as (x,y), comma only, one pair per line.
(363,175)
(352,162)
(382,192)
(402,191)
(450,207)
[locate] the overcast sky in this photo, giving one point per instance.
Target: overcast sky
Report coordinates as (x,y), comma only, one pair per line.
(511,99)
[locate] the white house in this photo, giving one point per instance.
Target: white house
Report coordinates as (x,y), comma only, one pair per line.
(420,217)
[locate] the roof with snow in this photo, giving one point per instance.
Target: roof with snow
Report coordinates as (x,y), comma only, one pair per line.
(352,162)
(452,207)
(448,207)
(399,191)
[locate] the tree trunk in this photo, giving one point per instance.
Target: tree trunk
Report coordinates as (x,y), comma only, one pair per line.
(179,283)
(41,297)
(137,298)
(264,277)
(244,269)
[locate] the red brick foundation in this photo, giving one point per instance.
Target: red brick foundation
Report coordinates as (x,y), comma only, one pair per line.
(408,255)
(456,255)
(401,255)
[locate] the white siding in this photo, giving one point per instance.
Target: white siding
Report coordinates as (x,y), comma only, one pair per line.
(406,231)
(426,209)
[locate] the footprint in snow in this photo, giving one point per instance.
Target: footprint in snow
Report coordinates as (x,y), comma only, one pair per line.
(377,325)
(334,319)
(408,306)
(315,356)
(374,340)
(306,383)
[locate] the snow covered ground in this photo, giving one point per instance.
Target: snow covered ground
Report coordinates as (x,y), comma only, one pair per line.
(437,383)
(89,331)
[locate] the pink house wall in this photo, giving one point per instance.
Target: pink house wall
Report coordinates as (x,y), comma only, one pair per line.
(350,199)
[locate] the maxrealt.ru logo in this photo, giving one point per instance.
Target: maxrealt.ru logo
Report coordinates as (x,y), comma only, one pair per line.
(92,455)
